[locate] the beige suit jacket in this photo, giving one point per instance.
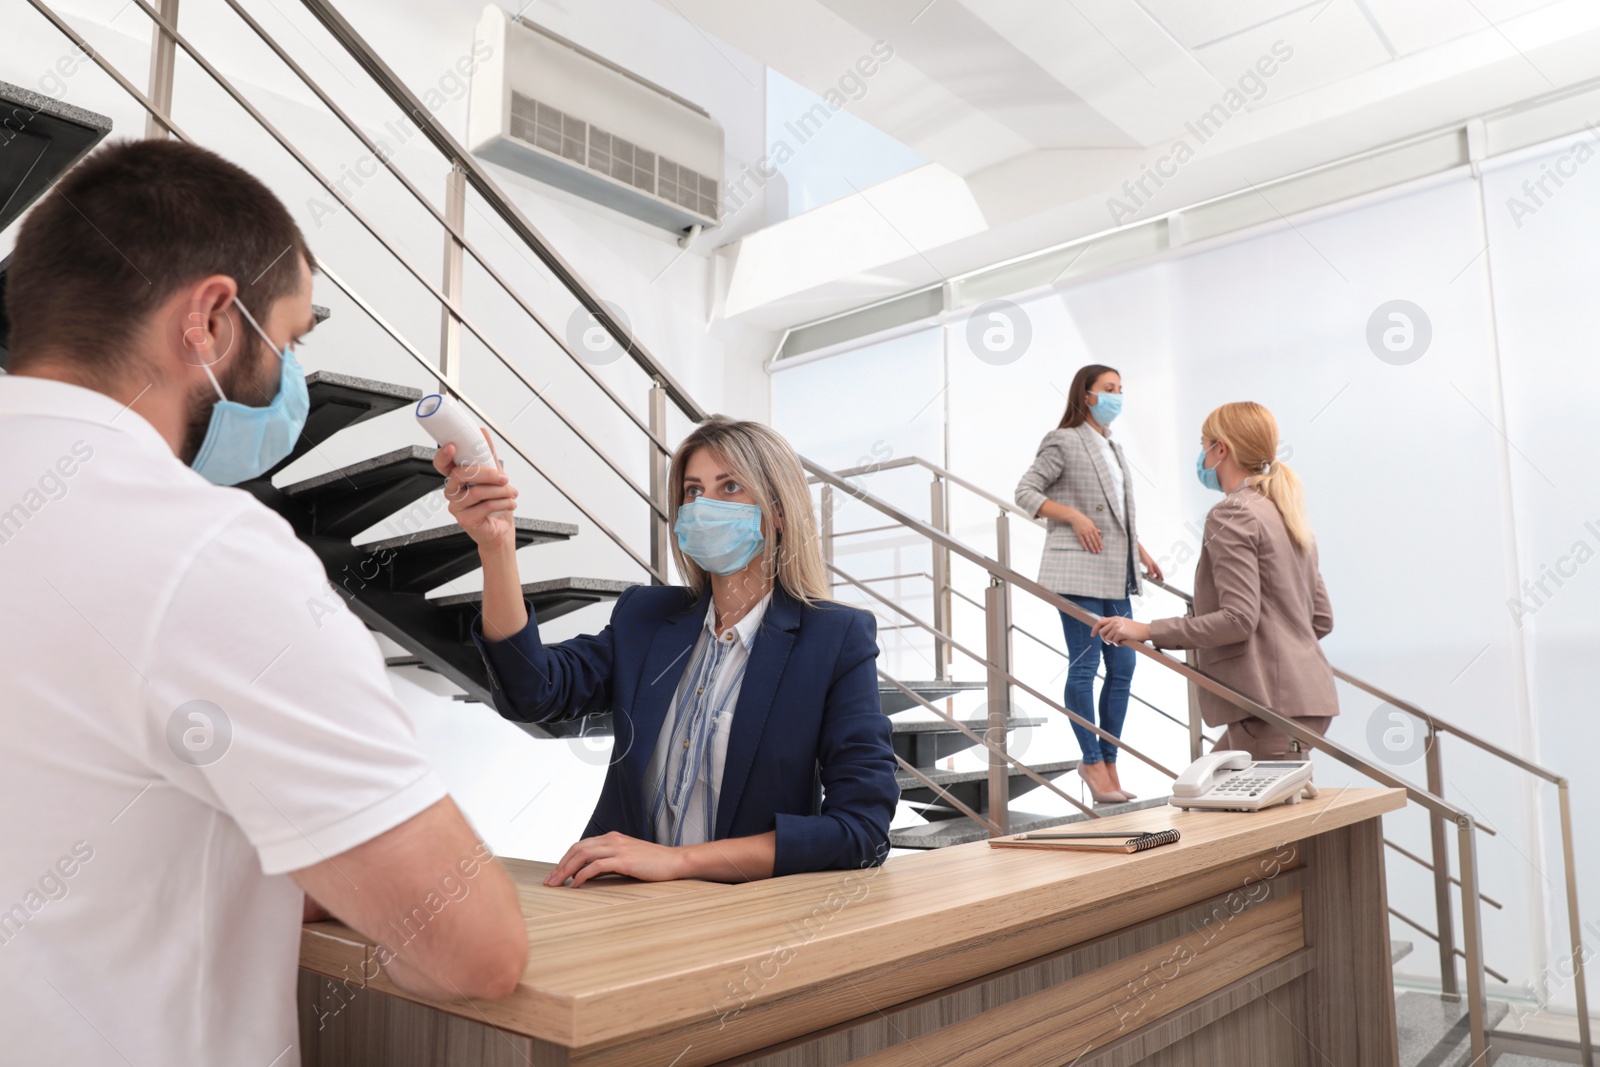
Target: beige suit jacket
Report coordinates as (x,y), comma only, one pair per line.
(1260,611)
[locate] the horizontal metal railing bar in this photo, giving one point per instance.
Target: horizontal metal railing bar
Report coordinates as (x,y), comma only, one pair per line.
(1005,574)
(1001,752)
(918,461)
(479,179)
(867,530)
(898,577)
(1430,935)
(1413,857)
(975,603)
(1404,705)
(416,272)
(1098,674)
(947,795)
(1007,675)
(387,160)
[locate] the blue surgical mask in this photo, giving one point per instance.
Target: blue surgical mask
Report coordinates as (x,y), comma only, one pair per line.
(1107,406)
(723,536)
(245,442)
(1207,475)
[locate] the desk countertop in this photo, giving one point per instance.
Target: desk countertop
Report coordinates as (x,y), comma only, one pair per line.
(616,959)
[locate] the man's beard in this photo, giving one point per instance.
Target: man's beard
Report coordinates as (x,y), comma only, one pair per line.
(235,378)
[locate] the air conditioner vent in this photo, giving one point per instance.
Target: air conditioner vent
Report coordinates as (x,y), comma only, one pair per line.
(548,128)
(622,160)
(637,148)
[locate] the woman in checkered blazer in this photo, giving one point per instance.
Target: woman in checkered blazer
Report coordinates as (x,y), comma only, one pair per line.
(1079,483)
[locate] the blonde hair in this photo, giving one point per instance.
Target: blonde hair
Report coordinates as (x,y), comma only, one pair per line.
(1251,434)
(759,459)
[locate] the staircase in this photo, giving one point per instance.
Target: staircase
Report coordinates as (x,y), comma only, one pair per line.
(386,582)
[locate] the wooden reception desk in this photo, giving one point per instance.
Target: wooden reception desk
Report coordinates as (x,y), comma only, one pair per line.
(1260,939)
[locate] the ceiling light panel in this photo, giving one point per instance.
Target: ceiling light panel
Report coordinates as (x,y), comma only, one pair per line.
(1196,25)
(1415,25)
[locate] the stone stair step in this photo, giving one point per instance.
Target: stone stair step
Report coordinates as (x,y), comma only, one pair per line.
(1434,1031)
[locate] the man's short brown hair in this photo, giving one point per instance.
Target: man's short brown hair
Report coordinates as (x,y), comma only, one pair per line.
(124,230)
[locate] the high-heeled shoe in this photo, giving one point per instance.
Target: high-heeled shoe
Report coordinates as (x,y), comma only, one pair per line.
(1101,796)
(1116,782)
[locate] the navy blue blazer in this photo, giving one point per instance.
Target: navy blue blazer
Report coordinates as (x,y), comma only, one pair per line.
(807,719)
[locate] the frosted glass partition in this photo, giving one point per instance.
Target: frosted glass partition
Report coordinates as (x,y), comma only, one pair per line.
(863,409)
(1449,478)
(1546,274)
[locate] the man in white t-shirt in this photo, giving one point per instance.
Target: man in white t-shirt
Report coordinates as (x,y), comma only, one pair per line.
(200,742)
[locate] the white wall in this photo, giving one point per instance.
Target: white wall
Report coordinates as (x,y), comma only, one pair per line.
(664,292)
(1436,488)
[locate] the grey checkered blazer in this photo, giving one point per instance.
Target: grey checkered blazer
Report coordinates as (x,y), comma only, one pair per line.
(1071,469)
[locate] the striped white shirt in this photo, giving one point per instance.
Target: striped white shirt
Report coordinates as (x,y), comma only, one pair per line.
(684,778)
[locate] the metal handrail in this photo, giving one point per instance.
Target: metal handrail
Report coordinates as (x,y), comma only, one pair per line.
(1003,576)
(948,475)
(1024,631)
(1430,935)
(387,160)
(391,84)
(1239,700)
(1434,725)
(991,746)
(1007,675)
(1404,705)
(1420,862)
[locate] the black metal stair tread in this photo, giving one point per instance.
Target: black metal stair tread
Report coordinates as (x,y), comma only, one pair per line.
(326,381)
(947,777)
(344,502)
(946,686)
(603,587)
(892,699)
(551,598)
(427,559)
(365,472)
(934,726)
(537,529)
(963,830)
(339,401)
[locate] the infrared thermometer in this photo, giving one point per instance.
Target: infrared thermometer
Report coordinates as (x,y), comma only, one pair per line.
(448,423)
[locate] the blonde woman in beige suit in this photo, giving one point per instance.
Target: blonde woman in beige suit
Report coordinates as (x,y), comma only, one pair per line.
(1260,606)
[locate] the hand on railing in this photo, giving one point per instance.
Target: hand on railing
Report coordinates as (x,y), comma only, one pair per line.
(1114,629)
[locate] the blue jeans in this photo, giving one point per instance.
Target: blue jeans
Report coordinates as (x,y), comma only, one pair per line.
(1081,650)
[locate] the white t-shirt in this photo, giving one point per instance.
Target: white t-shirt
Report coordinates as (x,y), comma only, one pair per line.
(1110,456)
(145,916)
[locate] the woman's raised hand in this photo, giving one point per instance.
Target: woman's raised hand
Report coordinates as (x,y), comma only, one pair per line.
(482,501)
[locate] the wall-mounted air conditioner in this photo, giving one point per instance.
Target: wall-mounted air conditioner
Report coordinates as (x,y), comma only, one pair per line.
(547,108)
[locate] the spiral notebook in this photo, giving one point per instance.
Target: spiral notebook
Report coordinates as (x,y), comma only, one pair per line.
(1099,841)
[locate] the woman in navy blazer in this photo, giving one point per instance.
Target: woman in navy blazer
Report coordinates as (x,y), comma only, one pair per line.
(807,770)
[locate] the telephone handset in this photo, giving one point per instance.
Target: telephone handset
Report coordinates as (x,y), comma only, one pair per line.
(1229,780)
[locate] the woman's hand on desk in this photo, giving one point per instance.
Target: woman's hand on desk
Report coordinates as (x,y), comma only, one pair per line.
(482,501)
(616,853)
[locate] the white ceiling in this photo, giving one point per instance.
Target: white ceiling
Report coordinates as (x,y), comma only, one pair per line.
(1040,105)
